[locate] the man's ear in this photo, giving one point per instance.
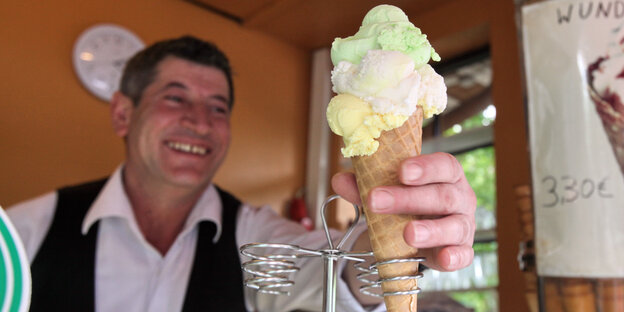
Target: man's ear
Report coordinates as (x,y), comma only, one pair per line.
(121,109)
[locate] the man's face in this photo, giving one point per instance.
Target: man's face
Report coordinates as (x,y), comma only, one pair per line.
(179,132)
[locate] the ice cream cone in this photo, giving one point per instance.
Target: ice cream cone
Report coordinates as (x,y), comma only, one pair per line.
(381,75)
(612,117)
(610,295)
(527,251)
(552,298)
(530,282)
(386,231)
(577,295)
(525,212)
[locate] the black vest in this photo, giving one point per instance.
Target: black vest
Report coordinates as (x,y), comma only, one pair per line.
(63,271)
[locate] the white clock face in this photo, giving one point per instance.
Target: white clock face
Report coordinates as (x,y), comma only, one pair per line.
(99,56)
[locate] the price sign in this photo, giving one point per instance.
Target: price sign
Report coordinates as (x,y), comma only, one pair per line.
(573,63)
(568,190)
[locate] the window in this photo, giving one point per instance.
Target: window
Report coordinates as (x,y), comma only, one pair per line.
(464,129)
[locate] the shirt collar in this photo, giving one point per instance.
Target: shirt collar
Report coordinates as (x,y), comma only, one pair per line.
(113,202)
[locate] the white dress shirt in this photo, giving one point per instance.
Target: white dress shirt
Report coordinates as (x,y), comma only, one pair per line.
(131,275)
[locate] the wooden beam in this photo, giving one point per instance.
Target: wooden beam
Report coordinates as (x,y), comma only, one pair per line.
(510,142)
(466,110)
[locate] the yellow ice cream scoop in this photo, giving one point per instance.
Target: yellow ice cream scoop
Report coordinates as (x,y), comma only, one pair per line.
(357,123)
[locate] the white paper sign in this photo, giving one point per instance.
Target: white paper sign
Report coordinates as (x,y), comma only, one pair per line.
(569,48)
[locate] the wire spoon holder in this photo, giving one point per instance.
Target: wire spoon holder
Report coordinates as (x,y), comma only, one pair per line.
(270,272)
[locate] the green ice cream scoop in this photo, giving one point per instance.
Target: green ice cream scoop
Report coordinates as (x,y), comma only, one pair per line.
(385,27)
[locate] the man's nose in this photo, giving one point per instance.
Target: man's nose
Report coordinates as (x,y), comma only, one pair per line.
(198,119)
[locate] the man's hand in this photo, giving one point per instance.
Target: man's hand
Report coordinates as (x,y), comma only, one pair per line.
(435,189)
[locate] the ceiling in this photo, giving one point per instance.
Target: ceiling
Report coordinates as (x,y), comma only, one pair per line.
(313,24)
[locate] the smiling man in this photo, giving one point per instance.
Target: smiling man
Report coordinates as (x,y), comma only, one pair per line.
(158,235)
(177,136)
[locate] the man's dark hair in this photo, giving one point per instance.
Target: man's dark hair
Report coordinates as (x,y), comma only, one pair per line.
(140,70)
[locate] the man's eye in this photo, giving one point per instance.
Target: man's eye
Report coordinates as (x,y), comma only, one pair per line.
(174,98)
(220,110)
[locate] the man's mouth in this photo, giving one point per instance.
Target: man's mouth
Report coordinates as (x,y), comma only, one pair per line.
(188,148)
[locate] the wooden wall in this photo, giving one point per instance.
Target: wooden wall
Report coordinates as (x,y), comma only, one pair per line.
(53,132)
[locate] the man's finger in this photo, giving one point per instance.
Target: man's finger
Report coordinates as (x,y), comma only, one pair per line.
(449,258)
(430,168)
(344,184)
(433,199)
(447,231)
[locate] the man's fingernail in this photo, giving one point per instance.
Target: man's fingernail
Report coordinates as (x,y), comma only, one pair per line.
(412,172)
(381,201)
(421,233)
(452,260)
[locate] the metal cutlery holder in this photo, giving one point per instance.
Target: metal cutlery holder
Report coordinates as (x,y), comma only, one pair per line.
(270,272)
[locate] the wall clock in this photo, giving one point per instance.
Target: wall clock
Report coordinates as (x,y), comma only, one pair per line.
(99,56)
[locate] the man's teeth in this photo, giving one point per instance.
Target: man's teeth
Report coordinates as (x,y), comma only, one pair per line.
(188,148)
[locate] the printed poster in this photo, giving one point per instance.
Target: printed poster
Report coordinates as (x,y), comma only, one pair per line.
(574,66)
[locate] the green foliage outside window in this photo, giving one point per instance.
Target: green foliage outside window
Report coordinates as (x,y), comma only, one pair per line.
(479,168)
(479,164)
(480,301)
(480,172)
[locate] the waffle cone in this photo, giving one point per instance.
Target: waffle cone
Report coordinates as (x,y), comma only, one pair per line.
(386,231)
(613,123)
